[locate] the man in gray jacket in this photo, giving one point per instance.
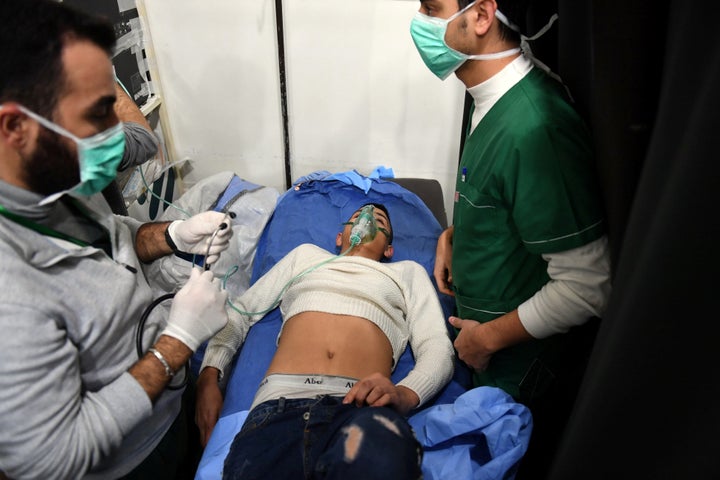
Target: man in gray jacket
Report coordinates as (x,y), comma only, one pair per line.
(91,375)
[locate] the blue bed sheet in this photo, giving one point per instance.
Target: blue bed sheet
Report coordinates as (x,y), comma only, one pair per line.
(313,211)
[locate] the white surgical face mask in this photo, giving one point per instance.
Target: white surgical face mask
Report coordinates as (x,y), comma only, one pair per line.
(428,33)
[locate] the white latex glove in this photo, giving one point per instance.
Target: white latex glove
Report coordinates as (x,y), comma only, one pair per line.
(198,310)
(194,234)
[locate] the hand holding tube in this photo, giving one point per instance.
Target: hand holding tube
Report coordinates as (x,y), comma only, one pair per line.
(198,234)
(198,310)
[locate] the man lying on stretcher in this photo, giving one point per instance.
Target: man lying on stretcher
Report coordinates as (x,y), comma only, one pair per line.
(347,319)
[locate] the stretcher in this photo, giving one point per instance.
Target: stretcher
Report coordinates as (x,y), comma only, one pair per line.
(466,432)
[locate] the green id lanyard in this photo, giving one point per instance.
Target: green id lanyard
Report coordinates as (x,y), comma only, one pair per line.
(44,229)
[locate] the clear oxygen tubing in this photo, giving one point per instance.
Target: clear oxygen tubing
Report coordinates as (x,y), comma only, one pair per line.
(149,190)
(222,226)
(117,79)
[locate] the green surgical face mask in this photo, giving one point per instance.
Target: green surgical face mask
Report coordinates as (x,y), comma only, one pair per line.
(98,156)
(428,34)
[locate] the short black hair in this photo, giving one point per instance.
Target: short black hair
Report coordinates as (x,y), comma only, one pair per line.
(516,12)
(33,35)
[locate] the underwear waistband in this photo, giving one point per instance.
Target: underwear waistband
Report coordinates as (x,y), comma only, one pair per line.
(289,386)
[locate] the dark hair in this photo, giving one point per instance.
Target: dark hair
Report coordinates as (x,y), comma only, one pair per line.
(33,35)
(516,12)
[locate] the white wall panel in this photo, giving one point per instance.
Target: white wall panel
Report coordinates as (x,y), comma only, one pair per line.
(358,94)
(218,75)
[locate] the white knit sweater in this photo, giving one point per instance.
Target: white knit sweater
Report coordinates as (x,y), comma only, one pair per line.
(398,297)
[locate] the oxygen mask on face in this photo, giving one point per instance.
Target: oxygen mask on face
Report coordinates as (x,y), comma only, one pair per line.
(364,228)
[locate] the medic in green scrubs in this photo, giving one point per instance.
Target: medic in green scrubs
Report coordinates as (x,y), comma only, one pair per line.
(527,257)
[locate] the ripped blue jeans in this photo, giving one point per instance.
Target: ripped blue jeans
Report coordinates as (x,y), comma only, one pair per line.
(320,438)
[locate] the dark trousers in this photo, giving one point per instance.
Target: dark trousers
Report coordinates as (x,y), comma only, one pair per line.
(320,438)
(552,409)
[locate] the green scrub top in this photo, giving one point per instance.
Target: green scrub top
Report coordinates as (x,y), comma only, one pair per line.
(526,186)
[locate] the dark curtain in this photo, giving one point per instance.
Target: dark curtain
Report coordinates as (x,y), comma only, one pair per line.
(649,80)
(610,55)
